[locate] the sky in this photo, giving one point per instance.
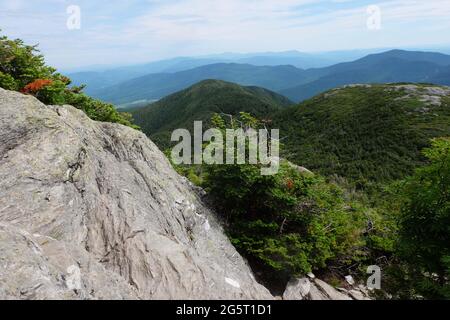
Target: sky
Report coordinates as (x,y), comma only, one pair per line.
(76,33)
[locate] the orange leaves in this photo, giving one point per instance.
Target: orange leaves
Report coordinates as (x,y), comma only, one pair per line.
(290,184)
(36,85)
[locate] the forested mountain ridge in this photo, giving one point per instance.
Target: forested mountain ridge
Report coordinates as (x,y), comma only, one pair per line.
(366,133)
(200,102)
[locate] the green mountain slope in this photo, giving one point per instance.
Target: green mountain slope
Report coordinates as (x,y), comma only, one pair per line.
(365,133)
(200,102)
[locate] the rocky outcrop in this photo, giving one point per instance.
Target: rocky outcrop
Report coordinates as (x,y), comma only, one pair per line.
(93,210)
(430,96)
(311,288)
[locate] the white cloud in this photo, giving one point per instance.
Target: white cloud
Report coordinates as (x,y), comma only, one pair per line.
(136,30)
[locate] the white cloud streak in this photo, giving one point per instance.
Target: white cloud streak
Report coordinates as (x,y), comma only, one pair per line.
(135,31)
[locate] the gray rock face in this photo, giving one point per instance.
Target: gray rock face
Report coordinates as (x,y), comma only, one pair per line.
(297,289)
(39,267)
(93,210)
(430,96)
(316,289)
(329,291)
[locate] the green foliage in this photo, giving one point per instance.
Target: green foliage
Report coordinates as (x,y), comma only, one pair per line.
(369,135)
(7,82)
(199,103)
(362,139)
(22,65)
(53,94)
(289,223)
(98,110)
(425,224)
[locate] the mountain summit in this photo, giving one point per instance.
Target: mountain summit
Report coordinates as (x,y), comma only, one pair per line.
(200,102)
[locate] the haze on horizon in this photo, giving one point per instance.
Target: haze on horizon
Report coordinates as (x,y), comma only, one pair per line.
(137,31)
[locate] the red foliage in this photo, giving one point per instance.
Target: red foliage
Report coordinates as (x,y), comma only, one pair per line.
(290,184)
(36,85)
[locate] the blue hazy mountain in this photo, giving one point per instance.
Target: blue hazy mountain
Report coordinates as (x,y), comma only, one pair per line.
(386,67)
(99,77)
(153,81)
(156,86)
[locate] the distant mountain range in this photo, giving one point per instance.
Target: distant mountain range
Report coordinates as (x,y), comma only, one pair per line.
(156,86)
(148,83)
(386,67)
(98,78)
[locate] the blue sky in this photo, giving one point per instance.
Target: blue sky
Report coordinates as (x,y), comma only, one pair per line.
(133,31)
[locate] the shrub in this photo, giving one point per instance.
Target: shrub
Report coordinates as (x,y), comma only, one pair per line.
(424,242)
(23,69)
(290,223)
(36,85)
